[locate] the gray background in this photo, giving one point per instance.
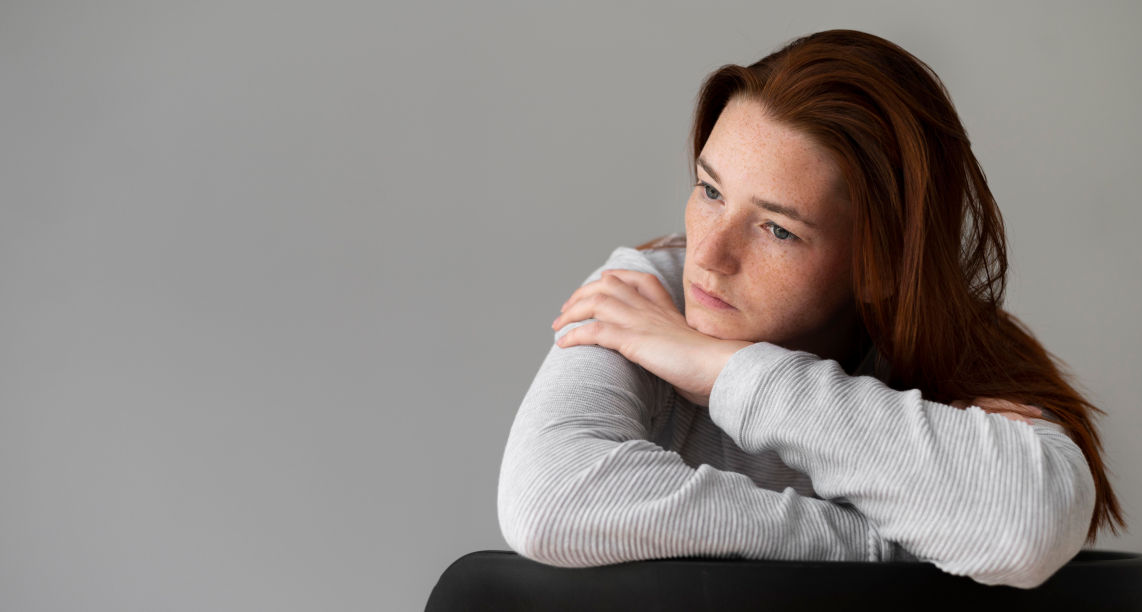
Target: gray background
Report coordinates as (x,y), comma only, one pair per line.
(275,276)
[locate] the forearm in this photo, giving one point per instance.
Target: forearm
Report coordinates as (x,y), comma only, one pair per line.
(976,494)
(580,485)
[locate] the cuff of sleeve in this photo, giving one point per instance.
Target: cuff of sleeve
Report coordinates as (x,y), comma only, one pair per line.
(739,383)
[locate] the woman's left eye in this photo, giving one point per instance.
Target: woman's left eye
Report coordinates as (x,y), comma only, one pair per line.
(780,232)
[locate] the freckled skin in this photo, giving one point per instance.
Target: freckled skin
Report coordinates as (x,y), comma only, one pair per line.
(796,293)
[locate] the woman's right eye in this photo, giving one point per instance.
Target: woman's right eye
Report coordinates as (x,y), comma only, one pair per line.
(708,190)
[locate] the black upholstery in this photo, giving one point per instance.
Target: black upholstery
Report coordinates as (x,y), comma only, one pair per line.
(505,582)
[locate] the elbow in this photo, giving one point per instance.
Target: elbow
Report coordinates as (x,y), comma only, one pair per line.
(1030,559)
(565,511)
(518,521)
(1036,542)
(520,535)
(521,497)
(1059,534)
(530,531)
(1023,557)
(1056,539)
(527,511)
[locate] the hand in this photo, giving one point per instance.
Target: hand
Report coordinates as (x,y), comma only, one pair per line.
(1009,409)
(635,316)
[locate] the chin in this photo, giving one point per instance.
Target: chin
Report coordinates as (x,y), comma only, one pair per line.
(697,322)
(713,330)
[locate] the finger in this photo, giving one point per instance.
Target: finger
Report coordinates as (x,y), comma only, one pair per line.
(1007,408)
(574,336)
(607,305)
(608,296)
(995,404)
(991,404)
(1014,416)
(581,292)
(606,282)
(647,284)
(596,332)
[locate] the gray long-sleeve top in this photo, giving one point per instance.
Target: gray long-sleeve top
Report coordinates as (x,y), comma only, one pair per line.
(793,459)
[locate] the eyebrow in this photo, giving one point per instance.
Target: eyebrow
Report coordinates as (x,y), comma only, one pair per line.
(780,209)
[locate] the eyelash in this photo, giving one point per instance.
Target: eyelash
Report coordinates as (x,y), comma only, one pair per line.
(792,237)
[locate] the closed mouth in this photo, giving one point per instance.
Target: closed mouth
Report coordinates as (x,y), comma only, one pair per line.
(710,293)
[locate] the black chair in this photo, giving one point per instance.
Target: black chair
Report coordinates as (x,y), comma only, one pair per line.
(505,582)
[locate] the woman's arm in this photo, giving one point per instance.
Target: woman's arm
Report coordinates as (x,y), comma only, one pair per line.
(582,485)
(976,494)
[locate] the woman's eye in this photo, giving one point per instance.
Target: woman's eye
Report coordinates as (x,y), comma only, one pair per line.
(780,232)
(711,193)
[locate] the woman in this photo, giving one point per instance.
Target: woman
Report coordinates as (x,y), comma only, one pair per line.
(821,367)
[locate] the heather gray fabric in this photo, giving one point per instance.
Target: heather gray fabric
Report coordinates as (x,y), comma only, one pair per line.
(794,459)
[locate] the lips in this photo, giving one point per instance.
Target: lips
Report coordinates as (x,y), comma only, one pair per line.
(698,287)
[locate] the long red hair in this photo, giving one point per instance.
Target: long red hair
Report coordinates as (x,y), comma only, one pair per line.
(929,249)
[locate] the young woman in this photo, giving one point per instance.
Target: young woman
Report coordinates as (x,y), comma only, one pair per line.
(820,368)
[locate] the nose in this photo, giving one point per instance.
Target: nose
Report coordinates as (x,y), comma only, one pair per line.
(717,251)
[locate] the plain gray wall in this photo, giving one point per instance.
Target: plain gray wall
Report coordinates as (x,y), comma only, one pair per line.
(275,275)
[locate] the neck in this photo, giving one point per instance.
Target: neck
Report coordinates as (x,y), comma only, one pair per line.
(840,341)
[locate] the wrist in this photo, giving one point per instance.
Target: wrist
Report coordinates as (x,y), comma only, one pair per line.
(725,350)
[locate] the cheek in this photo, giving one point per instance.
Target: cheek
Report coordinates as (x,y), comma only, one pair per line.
(790,291)
(697,212)
(690,217)
(697,223)
(837,273)
(826,289)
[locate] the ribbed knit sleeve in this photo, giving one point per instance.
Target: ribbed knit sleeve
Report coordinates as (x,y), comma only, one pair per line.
(976,494)
(581,484)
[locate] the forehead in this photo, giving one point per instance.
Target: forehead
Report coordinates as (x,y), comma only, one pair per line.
(757,156)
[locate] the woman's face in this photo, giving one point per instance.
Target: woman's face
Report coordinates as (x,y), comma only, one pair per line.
(785,276)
